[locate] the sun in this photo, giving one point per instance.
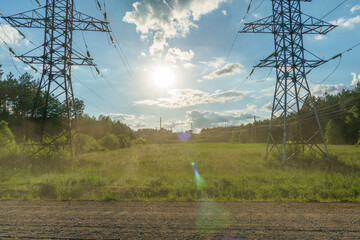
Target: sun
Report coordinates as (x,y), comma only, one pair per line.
(163,76)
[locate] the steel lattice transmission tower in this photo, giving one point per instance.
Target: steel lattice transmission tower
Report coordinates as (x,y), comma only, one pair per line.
(288,25)
(59,20)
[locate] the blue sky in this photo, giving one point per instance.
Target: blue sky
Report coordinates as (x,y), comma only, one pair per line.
(177,53)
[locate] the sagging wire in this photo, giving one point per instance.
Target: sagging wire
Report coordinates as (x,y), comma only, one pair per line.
(237,34)
(335,69)
(11,51)
(114,41)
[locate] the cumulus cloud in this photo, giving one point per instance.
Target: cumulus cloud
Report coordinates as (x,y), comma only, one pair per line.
(175,54)
(224,12)
(121,116)
(227,70)
(216,63)
(355,8)
(180,98)
(347,23)
(267,107)
(204,119)
(320,90)
(10,35)
(356,80)
(165,19)
(251,108)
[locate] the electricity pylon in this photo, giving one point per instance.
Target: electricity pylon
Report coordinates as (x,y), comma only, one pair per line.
(288,25)
(58,19)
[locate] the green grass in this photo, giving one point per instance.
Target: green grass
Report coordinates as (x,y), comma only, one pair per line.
(164,172)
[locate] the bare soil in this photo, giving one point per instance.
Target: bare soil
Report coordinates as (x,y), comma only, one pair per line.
(178,220)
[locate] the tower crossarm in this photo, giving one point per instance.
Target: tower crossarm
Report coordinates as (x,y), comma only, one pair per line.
(310,25)
(85,22)
(29,19)
(36,19)
(274,63)
(264,25)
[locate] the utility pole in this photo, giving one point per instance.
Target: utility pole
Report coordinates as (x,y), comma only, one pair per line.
(288,25)
(56,55)
(160,123)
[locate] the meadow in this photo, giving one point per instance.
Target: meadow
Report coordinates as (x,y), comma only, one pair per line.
(236,172)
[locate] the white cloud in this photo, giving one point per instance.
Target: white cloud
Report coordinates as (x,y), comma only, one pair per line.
(143,54)
(218,62)
(347,23)
(319,37)
(180,98)
(251,108)
(227,70)
(267,107)
(204,119)
(175,54)
(224,12)
(167,19)
(355,8)
(121,116)
(320,90)
(356,80)
(10,35)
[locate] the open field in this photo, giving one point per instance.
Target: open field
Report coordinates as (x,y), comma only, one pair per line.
(178,220)
(164,172)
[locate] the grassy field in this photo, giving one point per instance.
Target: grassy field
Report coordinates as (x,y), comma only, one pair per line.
(164,172)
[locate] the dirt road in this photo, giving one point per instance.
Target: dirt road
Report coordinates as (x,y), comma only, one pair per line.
(178,220)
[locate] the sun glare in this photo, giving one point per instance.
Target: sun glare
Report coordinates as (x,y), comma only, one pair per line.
(163,77)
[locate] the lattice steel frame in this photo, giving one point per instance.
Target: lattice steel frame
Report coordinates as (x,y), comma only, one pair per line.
(292,89)
(58,19)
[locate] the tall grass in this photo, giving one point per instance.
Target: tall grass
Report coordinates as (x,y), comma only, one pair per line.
(164,172)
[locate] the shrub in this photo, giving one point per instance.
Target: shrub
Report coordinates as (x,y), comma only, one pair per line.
(141,141)
(110,141)
(8,148)
(54,157)
(124,141)
(89,144)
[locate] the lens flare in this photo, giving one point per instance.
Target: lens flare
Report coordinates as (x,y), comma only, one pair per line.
(199,181)
(211,218)
(184,136)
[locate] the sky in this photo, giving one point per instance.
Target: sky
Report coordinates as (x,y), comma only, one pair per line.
(173,59)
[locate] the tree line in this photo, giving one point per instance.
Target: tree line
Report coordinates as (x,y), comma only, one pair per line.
(17,97)
(339,117)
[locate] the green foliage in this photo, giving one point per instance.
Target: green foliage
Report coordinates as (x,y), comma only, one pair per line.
(110,142)
(89,144)
(333,133)
(98,128)
(235,137)
(157,136)
(140,141)
(124,141)
(8,148)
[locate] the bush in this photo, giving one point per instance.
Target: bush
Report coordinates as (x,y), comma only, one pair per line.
(140,141)
(124,141)
(8,148)
(89,144)
(54,157)
(110,141)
